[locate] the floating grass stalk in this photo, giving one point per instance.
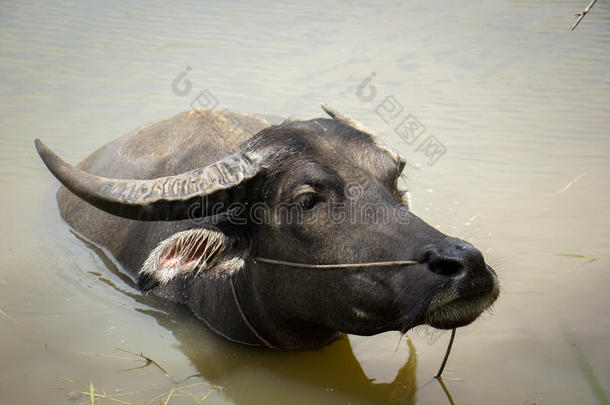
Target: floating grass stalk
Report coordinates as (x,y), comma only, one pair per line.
(93,395)
(572,255)
(91,392)
(589,375)
(169,396)
(148,362)
(7,316)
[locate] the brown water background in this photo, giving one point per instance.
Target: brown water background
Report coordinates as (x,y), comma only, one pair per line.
(520,104)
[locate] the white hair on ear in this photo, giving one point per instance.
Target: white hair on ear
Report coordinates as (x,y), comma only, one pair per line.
(190,252)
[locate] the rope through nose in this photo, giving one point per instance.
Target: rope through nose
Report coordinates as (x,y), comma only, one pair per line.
(336,266)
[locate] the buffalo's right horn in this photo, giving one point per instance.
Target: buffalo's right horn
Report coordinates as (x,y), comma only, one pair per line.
(336,115)
(200,192)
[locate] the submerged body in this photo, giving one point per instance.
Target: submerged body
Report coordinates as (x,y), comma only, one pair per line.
(317,192)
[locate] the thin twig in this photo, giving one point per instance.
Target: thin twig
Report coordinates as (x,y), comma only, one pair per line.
(440,370)
(582,14)
(148,360)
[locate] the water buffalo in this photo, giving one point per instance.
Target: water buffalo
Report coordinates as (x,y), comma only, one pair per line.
(225,213)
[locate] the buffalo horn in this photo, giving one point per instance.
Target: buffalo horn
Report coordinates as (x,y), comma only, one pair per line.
(196,193)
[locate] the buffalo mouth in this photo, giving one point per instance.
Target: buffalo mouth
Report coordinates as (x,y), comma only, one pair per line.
(453,311)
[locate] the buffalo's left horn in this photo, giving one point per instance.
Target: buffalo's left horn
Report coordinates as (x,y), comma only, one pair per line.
(200,192)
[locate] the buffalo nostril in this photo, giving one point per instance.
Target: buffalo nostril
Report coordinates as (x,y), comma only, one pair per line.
(440,263)
(451,257)
(446,267)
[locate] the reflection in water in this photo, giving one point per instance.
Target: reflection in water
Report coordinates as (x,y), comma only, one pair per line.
(260,376)
(445,390)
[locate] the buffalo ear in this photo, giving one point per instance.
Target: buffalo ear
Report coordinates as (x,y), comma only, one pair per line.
(204,252)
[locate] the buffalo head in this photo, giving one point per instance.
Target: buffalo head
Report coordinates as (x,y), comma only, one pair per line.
(321,191)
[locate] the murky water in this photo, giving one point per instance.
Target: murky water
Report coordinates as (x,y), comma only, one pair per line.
(517,102)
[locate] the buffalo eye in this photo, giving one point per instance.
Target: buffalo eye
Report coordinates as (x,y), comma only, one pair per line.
(307,201)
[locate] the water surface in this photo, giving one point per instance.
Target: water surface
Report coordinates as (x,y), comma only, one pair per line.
(520,104)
